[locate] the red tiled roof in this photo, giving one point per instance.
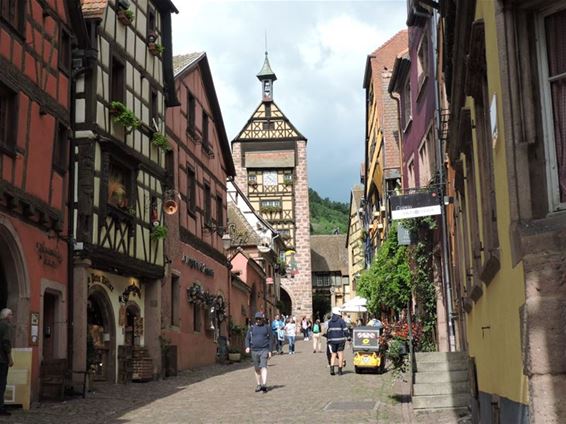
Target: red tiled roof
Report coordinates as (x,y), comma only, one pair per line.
(94,8)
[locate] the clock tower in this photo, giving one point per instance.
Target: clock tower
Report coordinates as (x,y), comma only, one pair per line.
(270,156)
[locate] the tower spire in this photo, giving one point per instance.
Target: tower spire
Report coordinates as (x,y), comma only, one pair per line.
(267,78)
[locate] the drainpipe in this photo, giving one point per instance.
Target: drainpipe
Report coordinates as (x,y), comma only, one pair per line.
(440,165)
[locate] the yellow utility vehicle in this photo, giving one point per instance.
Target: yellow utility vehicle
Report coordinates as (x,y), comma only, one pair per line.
(368,354)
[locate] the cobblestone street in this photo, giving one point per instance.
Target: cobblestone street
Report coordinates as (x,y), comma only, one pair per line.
(301,391)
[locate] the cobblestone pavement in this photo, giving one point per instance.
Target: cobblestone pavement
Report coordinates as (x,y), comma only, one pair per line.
(300,391)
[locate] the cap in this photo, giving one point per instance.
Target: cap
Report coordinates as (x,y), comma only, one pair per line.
(336,311)
(259,315)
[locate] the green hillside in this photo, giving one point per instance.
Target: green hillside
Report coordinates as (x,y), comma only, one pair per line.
(327,215)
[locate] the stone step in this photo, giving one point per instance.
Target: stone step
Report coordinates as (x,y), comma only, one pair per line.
(440,401)
(441,388)
(423,377)
(442,366)
(440,356)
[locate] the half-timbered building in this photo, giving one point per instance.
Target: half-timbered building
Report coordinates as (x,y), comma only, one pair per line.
(119,163)
(195,295)
(270,156)
(35,111)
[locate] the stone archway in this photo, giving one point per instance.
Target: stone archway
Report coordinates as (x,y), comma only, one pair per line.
(286,305)
(101,335)
(15,281)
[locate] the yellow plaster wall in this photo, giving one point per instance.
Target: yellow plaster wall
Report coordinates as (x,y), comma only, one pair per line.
(493,326)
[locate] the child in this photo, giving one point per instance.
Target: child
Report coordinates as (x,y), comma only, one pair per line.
(280,340)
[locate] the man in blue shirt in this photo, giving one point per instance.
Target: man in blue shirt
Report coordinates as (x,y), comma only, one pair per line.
(258,342)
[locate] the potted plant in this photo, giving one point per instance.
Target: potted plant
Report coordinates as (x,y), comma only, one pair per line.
(287,182)
(159,232)
(125,16)
(124,116)
(234,355)
(160,141)
(156,49)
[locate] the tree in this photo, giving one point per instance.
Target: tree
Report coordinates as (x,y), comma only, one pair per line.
(387,283)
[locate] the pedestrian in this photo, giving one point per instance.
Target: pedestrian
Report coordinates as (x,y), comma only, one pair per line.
(280,339)
(5,354)
(275,324)
(304,329)
(316,336)
(291,329)
(337,334)
(258,341)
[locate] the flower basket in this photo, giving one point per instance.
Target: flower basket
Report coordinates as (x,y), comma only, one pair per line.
(234,357)
(124,116)
(155,49)
(158,232)
(125,16)
(160,141)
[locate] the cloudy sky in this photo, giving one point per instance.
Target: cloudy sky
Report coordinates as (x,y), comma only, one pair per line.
(318,51)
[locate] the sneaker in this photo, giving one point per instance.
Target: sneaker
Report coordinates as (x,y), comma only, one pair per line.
(307,339)
(340,371)
(314,351)
(264,389)
(258,388)
(332,370)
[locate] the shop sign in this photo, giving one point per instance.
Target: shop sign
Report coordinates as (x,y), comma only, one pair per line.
(50,257)
(415,205)
(199,266)
(101,279)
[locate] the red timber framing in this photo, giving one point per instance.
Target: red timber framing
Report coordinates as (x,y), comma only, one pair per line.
(36,39)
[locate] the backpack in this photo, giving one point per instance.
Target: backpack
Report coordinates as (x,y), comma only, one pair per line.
(316,328)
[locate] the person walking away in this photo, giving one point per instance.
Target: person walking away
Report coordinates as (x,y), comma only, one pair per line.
(275,324)
(304,329)
(337,334)
(5,354)
(316,336)
(280,339)
(258,341)
(290,329)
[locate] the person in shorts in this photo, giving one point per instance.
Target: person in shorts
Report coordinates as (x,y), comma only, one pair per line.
(337,334)
(258,342)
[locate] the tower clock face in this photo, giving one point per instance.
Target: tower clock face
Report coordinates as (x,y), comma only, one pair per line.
(270,178)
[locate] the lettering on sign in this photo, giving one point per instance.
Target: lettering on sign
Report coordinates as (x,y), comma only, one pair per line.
(199,266)
(101,279)
(50,257)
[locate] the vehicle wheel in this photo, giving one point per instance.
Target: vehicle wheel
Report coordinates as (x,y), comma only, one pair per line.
(381,368)
(356,370)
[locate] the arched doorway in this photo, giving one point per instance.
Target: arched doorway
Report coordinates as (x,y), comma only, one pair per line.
(14,282)
(101,337)
(285,305)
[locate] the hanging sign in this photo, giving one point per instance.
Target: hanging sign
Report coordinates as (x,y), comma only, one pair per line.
(414,205)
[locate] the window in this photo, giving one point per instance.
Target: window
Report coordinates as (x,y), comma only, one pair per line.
(553,70)
(268,125)
(12,11)
(191,191)
(205,140)
(252,179)
(207,203)
(288,177)
(322,280)
(151,21)
(406,104)
(8,115)
(191,108)
(219,211)
(411,174)
(268,110)
(60,149)
(119,186)
(422,63)
(197,318)
(271,203)
(154,109)
(426,159)
(175,300)
(65,51)
(117,84)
